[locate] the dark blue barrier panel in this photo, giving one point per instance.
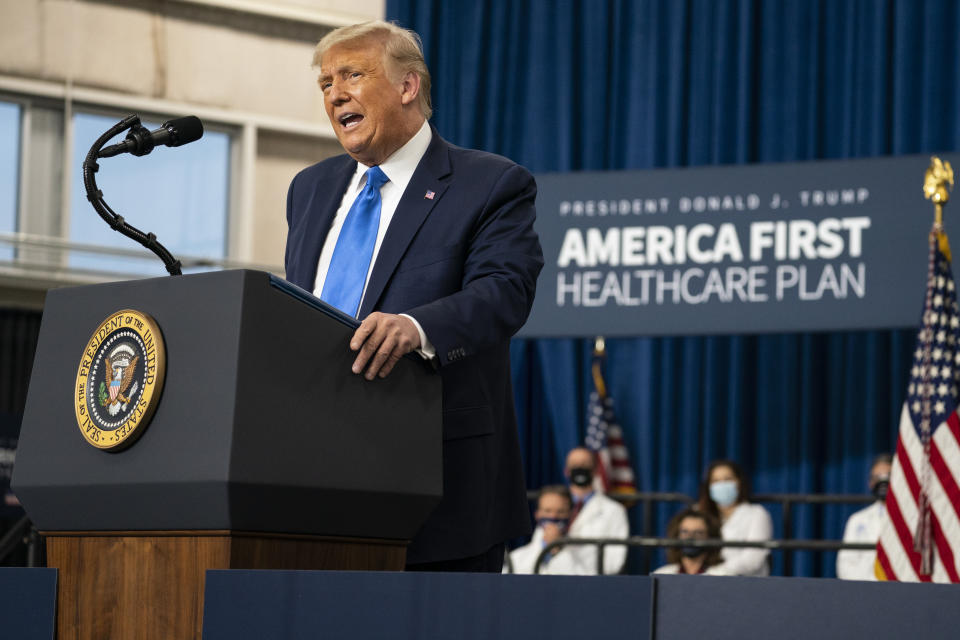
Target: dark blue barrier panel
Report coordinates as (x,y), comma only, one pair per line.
(270,605)
(28,603)
(720,608)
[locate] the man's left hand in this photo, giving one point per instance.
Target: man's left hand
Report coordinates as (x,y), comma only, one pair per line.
(382,339)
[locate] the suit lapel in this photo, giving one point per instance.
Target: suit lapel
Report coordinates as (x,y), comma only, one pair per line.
(321,211)
(412,210)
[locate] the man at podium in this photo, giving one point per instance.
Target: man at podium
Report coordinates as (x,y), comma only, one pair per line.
(433,248)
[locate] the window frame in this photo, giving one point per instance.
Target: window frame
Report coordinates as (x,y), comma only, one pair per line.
(246,127)
(55,243)
(115,114)
(21,171)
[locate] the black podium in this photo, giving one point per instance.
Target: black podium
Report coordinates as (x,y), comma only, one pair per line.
(264,452)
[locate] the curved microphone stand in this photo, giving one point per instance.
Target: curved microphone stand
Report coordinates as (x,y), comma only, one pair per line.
(116,222)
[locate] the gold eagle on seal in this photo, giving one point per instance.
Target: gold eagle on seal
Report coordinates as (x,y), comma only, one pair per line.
(118,374)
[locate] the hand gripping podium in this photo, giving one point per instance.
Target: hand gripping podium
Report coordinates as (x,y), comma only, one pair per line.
(264,452)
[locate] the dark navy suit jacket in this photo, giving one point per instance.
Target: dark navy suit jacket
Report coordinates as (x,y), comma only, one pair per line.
(464,263)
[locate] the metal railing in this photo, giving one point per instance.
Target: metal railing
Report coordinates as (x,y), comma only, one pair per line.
(648,543)
(22,532)
(62,246)
(646,499)
(787,500)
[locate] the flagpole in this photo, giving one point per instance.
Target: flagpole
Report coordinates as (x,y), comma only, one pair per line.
(605,437)
(937,183)
(915,543)
(599,352)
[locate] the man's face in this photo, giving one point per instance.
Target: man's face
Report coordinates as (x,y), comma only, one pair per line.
(553,506)
(579,459)
(879,473)
(364,105)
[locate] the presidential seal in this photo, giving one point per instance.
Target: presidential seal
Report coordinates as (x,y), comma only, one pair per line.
(119,380)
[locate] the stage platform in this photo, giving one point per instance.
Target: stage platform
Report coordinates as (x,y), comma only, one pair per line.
(295,605)
(299,605)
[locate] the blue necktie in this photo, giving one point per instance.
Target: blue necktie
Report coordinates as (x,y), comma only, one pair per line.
(347,273)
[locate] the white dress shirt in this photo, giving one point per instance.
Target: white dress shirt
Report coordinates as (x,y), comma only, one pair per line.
(863,526)
(399,170)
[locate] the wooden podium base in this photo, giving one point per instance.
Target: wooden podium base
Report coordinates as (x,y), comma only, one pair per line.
(149,584)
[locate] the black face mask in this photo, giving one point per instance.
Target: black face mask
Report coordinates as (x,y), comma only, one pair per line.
(692,552)
(879,490)
(581,476)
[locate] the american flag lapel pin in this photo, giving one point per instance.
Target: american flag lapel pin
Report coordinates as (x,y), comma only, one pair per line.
(429,195)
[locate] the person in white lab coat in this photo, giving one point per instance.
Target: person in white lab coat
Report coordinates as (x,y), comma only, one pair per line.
(691,524)
(553,519)
(724,494)
(864,526)
(593,515)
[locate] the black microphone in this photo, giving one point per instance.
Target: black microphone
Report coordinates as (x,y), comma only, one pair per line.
(172,133)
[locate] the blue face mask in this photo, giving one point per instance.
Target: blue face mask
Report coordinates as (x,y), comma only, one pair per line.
(724,493)
(560,522)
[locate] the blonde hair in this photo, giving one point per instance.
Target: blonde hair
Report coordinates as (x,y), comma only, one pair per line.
(403,52)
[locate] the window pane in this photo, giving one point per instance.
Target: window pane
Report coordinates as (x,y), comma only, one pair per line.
(180,194)
(9,172)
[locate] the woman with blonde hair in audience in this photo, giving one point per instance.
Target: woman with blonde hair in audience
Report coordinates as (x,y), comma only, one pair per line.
(725,494)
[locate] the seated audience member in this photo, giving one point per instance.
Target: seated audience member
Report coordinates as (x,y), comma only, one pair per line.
(864,526)
(593,515)
(553,519)
(691,524)
(724,494)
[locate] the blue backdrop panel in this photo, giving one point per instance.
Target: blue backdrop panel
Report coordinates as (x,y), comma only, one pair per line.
(733,608)
(28,603)
(777,247)
(288,605)
(590,85)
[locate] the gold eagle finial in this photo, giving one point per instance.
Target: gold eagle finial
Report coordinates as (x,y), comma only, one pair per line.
(937,184)
(938,181)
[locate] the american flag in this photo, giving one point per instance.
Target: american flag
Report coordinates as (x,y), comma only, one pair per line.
(604,435)
(920,535)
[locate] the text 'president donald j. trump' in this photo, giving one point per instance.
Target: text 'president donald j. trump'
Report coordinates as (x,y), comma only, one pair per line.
(433,248)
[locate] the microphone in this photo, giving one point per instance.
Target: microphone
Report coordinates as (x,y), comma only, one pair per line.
(171,133)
